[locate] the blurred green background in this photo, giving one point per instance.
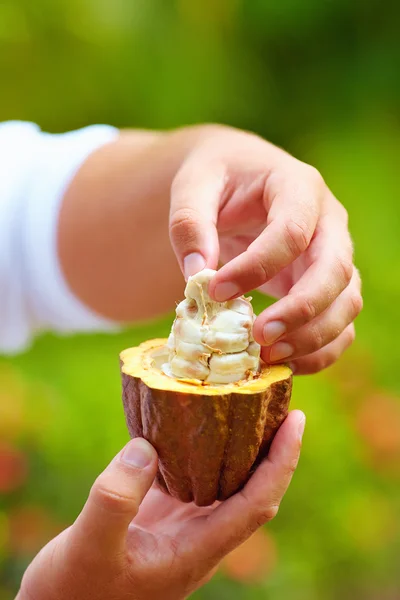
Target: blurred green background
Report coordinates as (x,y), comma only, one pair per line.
(322,80)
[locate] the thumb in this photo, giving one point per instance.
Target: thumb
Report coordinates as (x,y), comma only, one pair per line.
(195,199)
(115,498)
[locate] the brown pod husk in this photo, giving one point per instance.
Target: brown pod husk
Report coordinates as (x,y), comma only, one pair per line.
(208,438)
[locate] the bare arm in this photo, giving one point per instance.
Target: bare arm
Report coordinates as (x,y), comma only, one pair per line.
(113,238)
(221,196)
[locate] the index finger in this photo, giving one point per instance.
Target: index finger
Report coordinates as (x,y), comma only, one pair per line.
(195,198)
(293,204)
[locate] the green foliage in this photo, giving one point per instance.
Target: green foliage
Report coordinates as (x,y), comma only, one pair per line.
(321,79)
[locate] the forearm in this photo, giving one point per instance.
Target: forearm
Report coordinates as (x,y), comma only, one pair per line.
(113,239)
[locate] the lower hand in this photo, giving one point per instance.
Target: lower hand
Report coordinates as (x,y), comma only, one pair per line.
(133,542)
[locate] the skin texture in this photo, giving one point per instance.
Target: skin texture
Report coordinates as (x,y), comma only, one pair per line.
(140,212)
(132,542)
(220,196)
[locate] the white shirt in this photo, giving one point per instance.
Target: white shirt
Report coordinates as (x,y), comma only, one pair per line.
(35,170)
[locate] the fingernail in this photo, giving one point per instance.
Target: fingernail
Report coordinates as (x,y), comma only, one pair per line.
(292,367)
(137,453)
(272,331)
(192,264)
(302,425)
(226,291)
(280,351)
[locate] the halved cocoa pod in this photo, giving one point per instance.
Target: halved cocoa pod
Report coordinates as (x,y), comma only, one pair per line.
(208,437)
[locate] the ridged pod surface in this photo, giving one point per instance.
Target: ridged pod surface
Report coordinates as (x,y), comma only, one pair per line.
(209,438)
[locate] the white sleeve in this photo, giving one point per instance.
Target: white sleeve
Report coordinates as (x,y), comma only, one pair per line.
(35,170)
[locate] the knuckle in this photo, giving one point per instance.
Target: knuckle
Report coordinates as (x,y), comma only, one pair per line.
(259,512)
(356,302)
(357,278)
(265,515)
(112,501)
(345,268)
(261,271)
(315,365)
(339,210)
(324,361)
(183,224)
(306,308)
(351,336)
(314,176)
(314,342)
(258,271)
(343,213)
(292,465)
(183,217)
(297,235)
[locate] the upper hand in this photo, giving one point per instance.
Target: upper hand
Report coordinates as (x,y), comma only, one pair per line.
(275,225)
(133,542)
